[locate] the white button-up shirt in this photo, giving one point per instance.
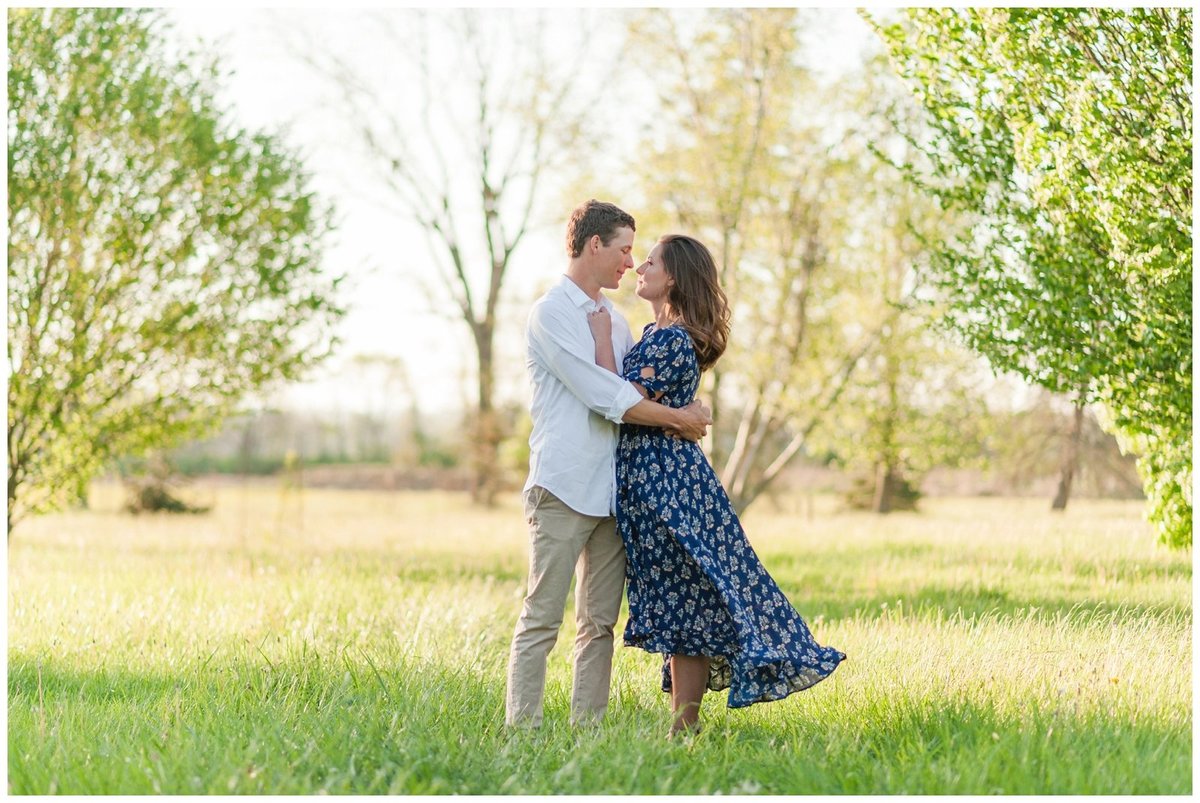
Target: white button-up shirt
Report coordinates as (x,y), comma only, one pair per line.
(577,405)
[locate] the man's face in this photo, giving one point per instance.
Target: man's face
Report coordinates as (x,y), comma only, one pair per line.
(614,259)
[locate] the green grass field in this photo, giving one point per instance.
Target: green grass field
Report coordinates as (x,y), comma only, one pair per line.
(356,642)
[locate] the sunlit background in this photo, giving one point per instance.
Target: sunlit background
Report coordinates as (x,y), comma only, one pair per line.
(265,529)
(270,87)
(905,322)
(406,357)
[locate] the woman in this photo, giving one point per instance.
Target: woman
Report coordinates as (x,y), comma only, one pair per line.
(698,593)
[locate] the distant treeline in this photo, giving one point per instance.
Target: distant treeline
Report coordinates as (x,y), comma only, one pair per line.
(1020,455)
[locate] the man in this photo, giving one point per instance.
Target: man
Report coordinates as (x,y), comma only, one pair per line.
(570,493)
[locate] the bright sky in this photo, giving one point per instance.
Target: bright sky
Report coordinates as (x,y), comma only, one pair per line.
(269,89)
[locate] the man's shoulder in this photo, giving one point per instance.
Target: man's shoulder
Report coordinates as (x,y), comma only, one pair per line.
(550,302)
(551,311)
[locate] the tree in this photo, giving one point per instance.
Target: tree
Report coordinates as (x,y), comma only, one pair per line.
(465,132)
(914,403)
(1066,135)
(763,166)
(726,86)
(741,172)
(161,262)
(1032,444)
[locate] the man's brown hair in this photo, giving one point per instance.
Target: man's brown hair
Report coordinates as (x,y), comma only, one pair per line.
(595,217)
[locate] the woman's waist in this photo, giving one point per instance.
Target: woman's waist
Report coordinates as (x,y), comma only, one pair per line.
(631,432)
(635,437)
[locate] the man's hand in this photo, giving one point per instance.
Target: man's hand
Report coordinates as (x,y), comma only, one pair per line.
(696,420)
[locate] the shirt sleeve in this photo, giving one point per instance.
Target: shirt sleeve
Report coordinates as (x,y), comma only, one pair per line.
(669,352)
(549,337)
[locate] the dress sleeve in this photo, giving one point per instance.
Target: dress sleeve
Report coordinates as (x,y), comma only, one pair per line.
(669,353)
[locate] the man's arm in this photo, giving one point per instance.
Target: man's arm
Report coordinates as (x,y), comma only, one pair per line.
(604,392)
(690,422)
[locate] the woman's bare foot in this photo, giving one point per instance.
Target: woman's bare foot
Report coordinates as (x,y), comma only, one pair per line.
(680,730)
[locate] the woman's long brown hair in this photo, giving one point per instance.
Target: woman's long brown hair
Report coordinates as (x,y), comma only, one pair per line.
(696,296)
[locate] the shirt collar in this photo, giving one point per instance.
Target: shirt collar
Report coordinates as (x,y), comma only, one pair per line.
(580,298)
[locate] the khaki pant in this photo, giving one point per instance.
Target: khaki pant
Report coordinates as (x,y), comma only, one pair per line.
(560,538)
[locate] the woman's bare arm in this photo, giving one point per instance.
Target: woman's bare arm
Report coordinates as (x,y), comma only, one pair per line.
(600,322)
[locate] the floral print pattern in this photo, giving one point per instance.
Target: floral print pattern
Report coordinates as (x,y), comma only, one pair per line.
(696,586)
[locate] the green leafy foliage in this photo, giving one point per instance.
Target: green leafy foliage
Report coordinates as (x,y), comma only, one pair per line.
(161,263)
(1065,135)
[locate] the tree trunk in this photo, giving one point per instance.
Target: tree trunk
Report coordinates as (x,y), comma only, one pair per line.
(487,430)
(16,470)
(718,454)
(885,488)
(886,478)
(1070,461)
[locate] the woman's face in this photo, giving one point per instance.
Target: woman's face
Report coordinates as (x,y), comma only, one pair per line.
(653,281)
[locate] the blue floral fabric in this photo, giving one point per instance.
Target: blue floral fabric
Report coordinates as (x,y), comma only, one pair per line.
(696,586)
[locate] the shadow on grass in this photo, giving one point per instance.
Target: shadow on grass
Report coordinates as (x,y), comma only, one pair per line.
(962,747)
(371,725)
(824,585)
(969,602)
(344,722)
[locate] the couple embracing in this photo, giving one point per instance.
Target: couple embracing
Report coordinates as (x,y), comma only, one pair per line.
(619,488)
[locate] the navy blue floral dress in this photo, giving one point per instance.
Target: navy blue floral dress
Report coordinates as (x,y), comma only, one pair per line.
(696,587)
